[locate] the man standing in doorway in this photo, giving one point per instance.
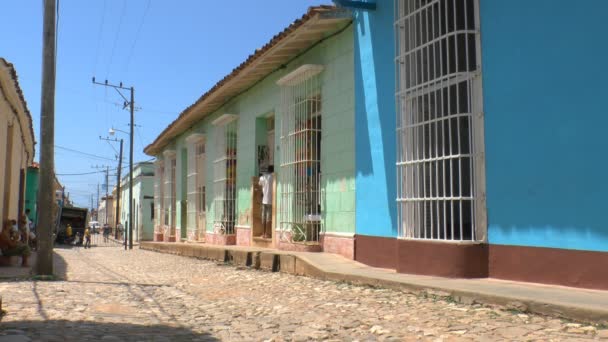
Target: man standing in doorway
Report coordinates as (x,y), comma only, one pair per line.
(266,183)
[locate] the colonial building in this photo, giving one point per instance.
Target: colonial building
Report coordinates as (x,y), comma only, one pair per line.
(290,106)
(106,212)
(435,137)
(16,143)
(486,166)
(143,201)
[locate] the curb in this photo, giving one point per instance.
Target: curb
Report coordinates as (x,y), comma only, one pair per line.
(279,261)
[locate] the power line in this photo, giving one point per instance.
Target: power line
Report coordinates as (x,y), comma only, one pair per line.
(122,14)
(79,174)
(103,17)
(83,153)
(141,24)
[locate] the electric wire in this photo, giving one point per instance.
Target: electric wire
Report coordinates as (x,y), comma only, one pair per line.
(141,24)
(99,34)
(83,153)
(122,14)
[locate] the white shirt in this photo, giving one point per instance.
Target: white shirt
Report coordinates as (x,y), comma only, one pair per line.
(266,184)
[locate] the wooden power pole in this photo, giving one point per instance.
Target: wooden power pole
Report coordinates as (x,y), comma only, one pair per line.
(46,198)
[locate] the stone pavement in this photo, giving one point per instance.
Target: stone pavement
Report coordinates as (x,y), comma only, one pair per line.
(578,304)
(110,294)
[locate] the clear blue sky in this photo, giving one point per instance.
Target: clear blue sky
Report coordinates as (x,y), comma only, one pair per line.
(170,51)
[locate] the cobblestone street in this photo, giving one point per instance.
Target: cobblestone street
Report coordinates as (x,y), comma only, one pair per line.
(112,295)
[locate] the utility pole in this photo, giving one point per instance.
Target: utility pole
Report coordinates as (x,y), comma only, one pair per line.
(107,186)
(44,264)
(131,104)
(97,215)
(118,179)
(131,171)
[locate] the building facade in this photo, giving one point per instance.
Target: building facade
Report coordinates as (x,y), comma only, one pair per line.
(289,106)
(434,137)
(106,212)
(143,202)
(485,166)
(16,143)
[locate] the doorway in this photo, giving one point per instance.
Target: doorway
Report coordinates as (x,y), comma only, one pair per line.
(263,184)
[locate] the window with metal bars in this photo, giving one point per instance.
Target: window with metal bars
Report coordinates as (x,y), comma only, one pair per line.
(438,113)
(170,198)
(191,186)
(200,190)
(159,183)
(224,178)
(300,173)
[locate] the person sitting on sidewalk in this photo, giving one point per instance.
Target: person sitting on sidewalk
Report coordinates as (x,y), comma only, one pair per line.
(12,247)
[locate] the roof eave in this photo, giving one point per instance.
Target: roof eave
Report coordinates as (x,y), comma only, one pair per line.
(316,25)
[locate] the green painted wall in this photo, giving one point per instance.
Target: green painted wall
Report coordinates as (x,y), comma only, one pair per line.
(337,156)
(32,179)
(143,194)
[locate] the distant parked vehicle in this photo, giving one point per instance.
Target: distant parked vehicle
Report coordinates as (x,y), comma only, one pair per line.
(76,218)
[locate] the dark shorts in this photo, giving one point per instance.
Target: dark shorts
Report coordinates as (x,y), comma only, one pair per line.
(266,212)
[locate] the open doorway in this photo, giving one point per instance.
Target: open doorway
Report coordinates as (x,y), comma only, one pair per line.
(263,184)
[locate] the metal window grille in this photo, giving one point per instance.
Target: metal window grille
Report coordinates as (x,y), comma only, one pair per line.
(169,191)
(224,178)
(200,191)
(191,195)
(159,195)
(300,173)
(438,92)
(270,139)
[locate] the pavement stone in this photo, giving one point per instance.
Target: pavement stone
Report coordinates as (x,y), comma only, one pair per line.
(109,294)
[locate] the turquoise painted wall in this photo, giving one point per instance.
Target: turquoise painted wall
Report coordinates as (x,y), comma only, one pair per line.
(545,96)
(338,160)
(32,180)
(374,71)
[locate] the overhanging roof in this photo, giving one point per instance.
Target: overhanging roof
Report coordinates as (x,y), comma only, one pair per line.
(318,23)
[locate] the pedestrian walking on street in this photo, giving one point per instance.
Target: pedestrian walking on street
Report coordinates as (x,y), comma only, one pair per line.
(87,238)
(106,233)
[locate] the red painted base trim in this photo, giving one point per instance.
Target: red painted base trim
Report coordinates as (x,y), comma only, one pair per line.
(220,239)
(158,237)
(585,269)
(376,251)
(243,236)
(342,245)
(550,266)
(444,259)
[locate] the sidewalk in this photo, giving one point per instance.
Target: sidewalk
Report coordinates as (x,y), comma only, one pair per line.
(572,303)
(15,271)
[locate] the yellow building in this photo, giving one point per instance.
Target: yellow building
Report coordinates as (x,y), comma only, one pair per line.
(16,143)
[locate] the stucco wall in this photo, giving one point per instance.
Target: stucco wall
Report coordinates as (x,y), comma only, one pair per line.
(18,162)
(375,121)
(545,117)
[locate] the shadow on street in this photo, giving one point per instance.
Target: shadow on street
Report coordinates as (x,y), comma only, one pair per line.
(64,330)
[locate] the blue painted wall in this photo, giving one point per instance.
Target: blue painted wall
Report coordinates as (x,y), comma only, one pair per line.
(375,119)
(546,117)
